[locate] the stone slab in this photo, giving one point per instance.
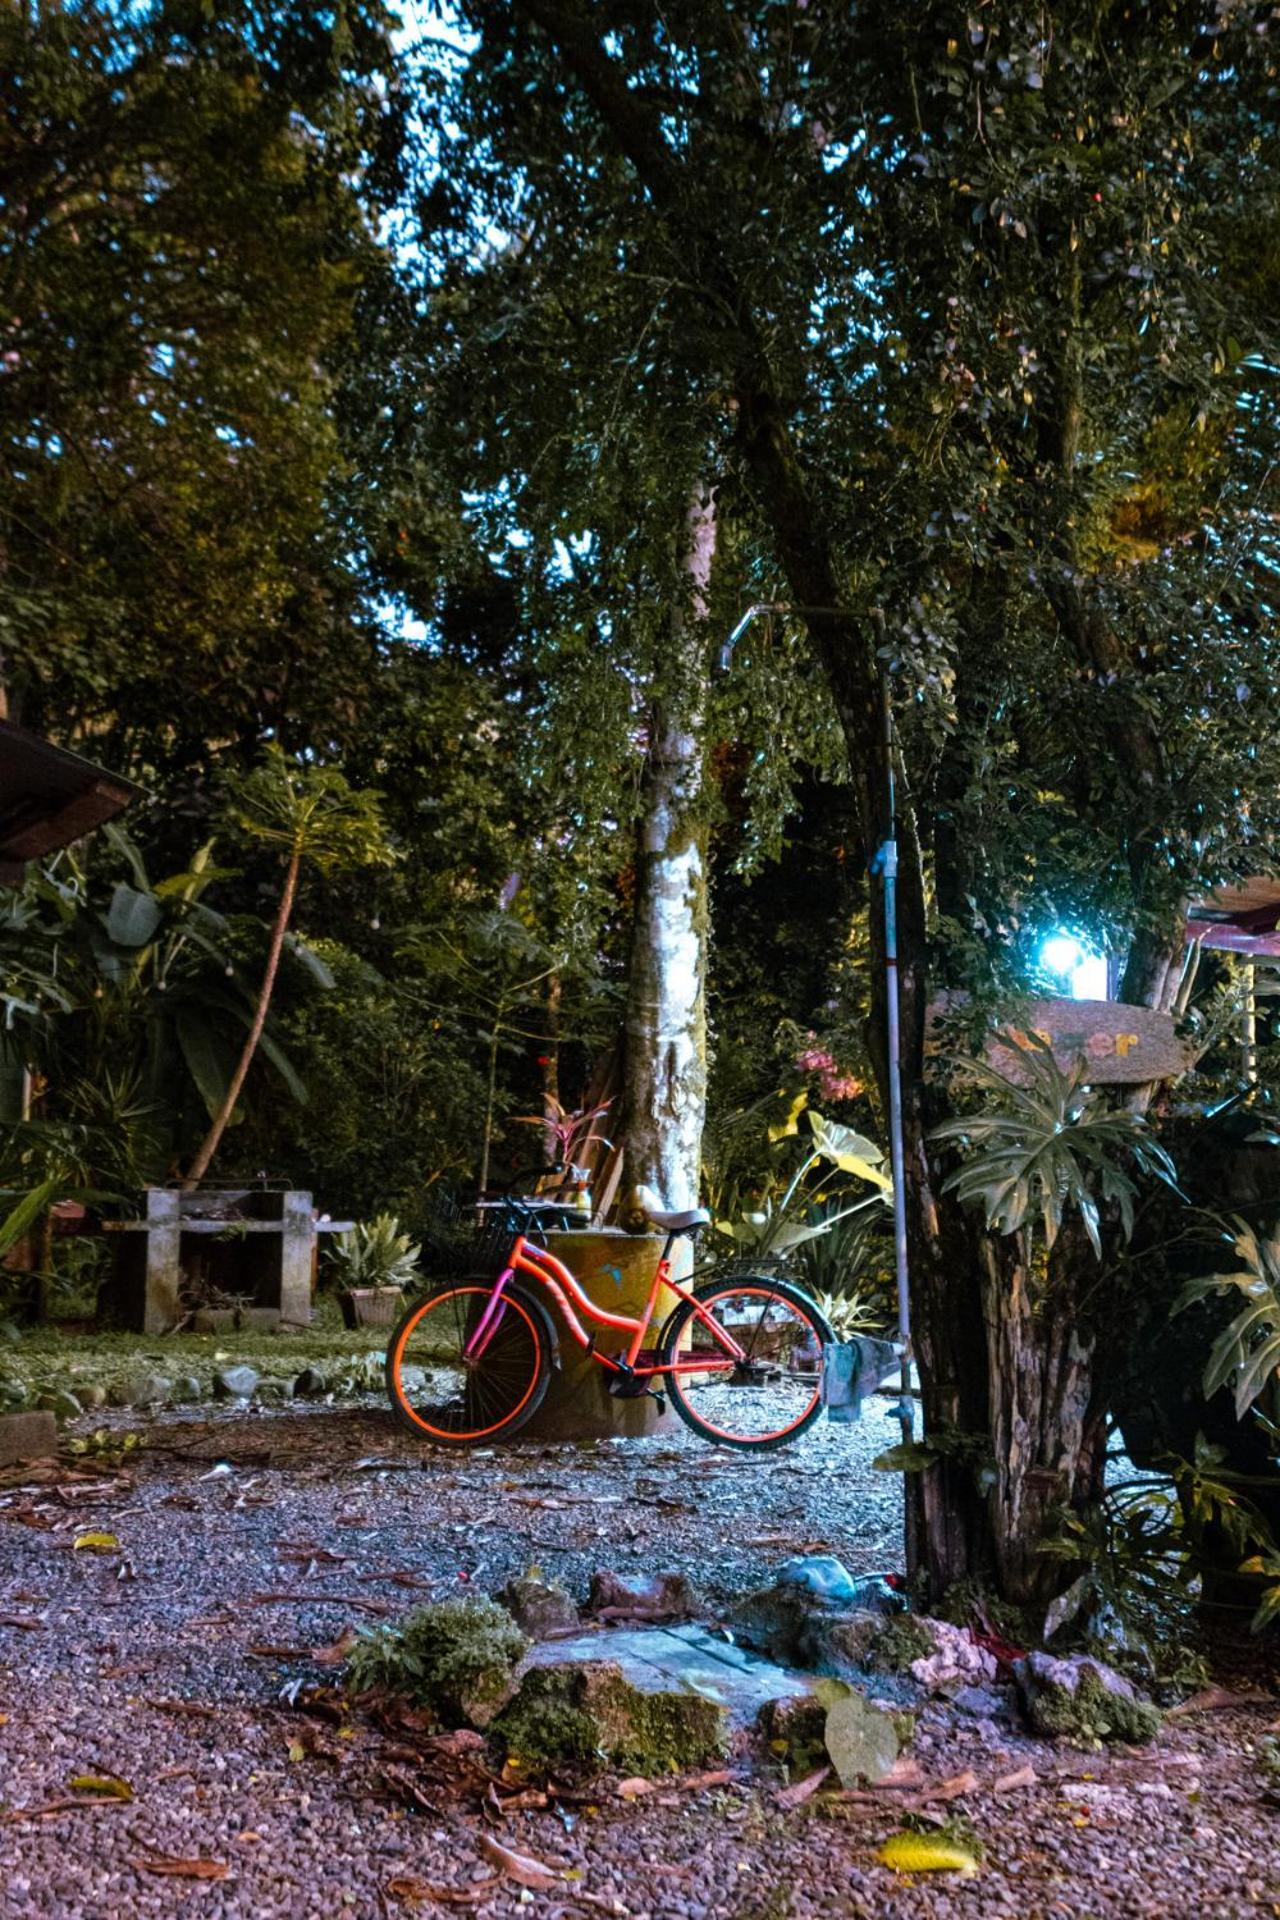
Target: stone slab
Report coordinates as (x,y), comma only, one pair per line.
(27,1436)
(682,1658)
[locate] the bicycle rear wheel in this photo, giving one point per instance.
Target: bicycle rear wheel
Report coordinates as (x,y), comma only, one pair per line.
(774,1390)
(440,1394)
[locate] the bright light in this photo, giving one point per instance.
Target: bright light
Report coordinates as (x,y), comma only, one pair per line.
(1068,960)
(1061,954)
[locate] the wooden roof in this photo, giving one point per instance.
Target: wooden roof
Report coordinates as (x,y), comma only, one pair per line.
(1244,919)
(48,798)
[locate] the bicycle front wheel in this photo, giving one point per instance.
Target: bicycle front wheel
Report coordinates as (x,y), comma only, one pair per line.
(746,1361)
(440,1393)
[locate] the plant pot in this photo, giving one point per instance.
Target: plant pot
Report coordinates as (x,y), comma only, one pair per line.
(370,1306)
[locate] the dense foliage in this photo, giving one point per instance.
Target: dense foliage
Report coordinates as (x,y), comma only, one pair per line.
(356,377)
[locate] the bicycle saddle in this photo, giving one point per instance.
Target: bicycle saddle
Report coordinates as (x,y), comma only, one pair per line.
(687,1222)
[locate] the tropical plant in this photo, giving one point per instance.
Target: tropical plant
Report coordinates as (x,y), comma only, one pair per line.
(851,1313)
(849,1262)
(310,816)
(782,1222)
(566,1132)
(1248,1348)
(375,1254)
(1041,1148)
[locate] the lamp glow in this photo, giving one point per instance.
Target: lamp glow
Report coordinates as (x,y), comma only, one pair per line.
(1068,960)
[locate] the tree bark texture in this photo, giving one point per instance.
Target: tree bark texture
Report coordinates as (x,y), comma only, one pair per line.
(665,1088)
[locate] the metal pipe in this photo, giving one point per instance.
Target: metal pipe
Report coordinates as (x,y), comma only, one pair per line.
(885,863)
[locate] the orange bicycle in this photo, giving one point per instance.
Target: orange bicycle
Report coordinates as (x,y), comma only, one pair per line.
(742,1356)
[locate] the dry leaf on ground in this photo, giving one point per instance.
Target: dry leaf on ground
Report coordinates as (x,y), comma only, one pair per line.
(1009,1782)
(802,1790)
(175,1869)
(521,1866)
(1212,1699)
(634,1788)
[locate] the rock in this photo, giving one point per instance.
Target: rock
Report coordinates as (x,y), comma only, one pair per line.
(93,1394)
(61,1403)
(588,1711)
(456,1657)
(187,1391)
(954,1660)
(1081,1698)
(234,1383)
(983,1703)
(213,1320)
(790,1626)
(27,1436)
(140,1390)
(310,1384)
(663,1596)
(539,1609)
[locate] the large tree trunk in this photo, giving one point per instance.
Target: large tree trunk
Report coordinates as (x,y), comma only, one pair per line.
(665,1071)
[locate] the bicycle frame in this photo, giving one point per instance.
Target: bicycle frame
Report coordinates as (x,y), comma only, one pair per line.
(543,1266)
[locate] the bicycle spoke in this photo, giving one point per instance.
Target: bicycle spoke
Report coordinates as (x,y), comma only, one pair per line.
(773,1389)
(445,1392)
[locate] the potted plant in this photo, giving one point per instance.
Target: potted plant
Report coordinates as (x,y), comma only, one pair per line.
(374,1263)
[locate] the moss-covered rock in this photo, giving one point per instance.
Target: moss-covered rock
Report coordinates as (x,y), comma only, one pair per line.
(1081,1699)
(589,1714)
(457,1658)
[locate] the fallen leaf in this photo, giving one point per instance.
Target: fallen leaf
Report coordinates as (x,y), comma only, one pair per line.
(64,1805)
(922,1853)
(520,1866)
(408,1887)
(176,1869)
(693,1781)
(802,1790)
(952,1789)
(335,1654)
(108,1786)
(26,1622)
(192,1707)
(1213,1699)
(634,1788)
(96,1543)
(1009,1782)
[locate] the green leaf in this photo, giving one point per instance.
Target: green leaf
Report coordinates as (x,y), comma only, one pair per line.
(310,959)
(851,1152)
(132,918)
(210,1061)
(909,1456)
(27,1211)
(862,1741)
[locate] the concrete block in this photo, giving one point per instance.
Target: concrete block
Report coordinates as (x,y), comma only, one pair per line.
(27,1436)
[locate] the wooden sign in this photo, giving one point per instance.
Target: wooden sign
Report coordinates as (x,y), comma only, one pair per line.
(1121,1045)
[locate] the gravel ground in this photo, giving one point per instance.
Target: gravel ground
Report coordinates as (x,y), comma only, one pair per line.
(248,1539)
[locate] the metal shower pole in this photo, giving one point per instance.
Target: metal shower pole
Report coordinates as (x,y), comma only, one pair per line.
(885,863)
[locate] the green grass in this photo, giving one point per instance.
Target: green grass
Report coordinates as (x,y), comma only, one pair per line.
(52,1356)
